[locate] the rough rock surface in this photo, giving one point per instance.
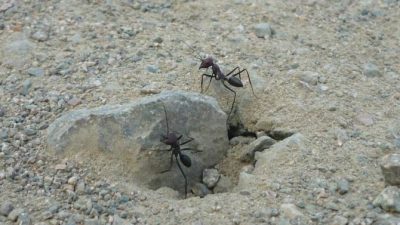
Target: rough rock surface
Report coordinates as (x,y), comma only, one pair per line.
(130,134)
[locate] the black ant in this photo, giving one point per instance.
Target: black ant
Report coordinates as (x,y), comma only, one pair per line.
(217,74)
(172,139)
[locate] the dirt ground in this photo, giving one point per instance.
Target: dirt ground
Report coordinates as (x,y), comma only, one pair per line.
(328,70)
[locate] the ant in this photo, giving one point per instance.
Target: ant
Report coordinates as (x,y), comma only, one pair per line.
(217,74)
(173,139)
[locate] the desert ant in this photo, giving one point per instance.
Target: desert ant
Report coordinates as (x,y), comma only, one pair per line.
(217,74)
(172,139)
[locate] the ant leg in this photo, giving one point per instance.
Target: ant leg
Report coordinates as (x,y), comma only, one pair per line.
(185,142)
(236,68)
(170,165)
(234,97)
(184,176)
(185,149)
(202,78)
(251,85)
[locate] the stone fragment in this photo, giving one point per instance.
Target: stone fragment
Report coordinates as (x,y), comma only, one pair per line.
(390,166)
(389,199)
(259,144)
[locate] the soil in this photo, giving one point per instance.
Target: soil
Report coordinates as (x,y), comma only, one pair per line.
(329,71)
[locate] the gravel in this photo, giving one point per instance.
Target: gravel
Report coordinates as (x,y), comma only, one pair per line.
(330,76)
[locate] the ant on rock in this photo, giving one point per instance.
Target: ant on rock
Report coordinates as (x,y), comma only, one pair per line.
(173,139)
(217,74)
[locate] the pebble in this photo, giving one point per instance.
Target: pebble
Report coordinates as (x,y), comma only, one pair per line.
(26,86)
(389,199)
(365,118)
(211,177)
(224,185)
(40,35)
(290,211)
(258,145)
(2,112)
(371,70)
(241,140)
(5,208)
(343,186)
(263,30)
(309,77)
(74,101)
(152,88)
(339,220)
(13,216)
(24,219)
(30,131)
(73,180)
(35,71)
(152,68)
(390,166)
(200,189)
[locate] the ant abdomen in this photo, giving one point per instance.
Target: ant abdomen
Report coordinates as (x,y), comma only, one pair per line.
(234,81)
(185,160)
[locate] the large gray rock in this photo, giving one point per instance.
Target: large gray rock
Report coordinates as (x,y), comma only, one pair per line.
(126,138)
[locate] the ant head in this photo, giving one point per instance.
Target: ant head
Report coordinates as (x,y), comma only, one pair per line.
(169,139)
(207,62)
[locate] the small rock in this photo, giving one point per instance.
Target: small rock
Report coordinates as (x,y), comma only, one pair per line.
(371,70)
(200,190)
(390,166)
(24,219)
(13,216)
(80,187)
(291,211)
(210,177)
(61,166)
(339,220)
(263,30)
(309,77)
(224,185)
(30,131)
(365,119)
(158,40)
(73,180)
(35,71)
(5,208)
(241,140)
(389,199)
(26,87)
(74,101)
(258,145)
(152,68)
(343,186)
(341,137)
(40,35)
(387,219)
(151,89)
(92,222)
(2,112)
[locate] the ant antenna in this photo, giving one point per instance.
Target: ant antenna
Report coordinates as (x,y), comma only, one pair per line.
(166,117)
(193,50)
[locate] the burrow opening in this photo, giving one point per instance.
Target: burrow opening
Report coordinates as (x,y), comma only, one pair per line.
(229,168)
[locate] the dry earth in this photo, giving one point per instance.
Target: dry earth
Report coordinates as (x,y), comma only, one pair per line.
(328,70)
